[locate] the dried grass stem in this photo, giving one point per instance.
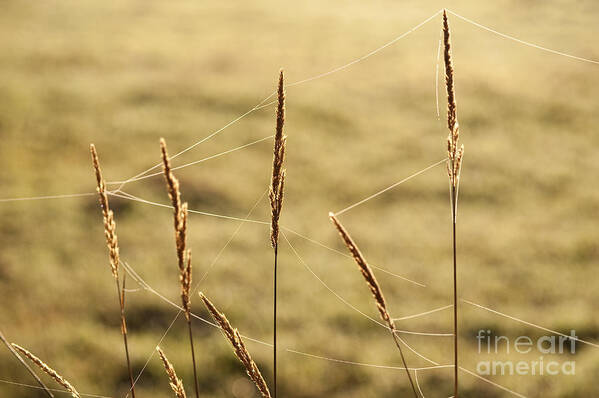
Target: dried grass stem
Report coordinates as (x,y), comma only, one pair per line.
(113,254)
(180,215)
(375,289)
(455,152)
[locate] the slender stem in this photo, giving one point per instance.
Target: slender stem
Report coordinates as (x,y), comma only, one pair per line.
(455,290)
(276,250)
(121,293)
(16,355)
(193,359)
(403,360)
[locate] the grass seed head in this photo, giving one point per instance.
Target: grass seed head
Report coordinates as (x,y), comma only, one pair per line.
(234,338)
(175,383)
(366,271)
(48,370)
(455,151)
(112,240)
(278,172)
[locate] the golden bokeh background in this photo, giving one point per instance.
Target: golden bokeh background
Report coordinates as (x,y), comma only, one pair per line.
(123,74)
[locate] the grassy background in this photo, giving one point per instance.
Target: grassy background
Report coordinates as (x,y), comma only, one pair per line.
(123,74)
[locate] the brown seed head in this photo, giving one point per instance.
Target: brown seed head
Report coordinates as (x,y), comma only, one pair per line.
(451,104)
(278,173)
(454,150)
(175,383)
(48,370)
(366,271)
(180,215)
(233,336)
(109,224)
(375,289)
(179,209)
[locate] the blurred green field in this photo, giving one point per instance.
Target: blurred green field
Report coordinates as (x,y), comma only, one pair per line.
(123,74)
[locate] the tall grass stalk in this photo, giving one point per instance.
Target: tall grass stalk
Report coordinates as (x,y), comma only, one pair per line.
(455,152)
(375,289)
(276,202)
(183,254)
(112,242)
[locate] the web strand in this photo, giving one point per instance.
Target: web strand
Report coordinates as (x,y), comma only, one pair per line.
(261,104)
(492,383)
(192,163)
(14,383)
(529,323)
(213,134)
(344,301)
(417,383)
(370,54)
(128,196)
(505,36)
(365,364)
(320,244)
(382,191)
(423,313)
(46,197)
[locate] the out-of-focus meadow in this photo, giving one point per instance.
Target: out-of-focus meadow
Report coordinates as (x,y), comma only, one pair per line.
(123,74)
